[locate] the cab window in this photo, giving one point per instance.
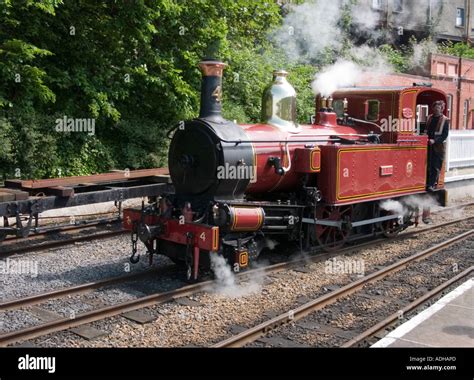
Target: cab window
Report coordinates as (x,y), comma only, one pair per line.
(338,106)
(372,110)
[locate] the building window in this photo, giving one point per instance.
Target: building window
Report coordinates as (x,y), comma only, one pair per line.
(466,114)
(398,6)
(377,4)
(452,70)
(450,105)
(441,68)
(460,17)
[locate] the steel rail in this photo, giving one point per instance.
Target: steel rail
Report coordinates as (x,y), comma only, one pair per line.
(413,305)
(110,311)
(73,290)
(48,230)
(302,311)
(99,314)
(61,243)
(65,323)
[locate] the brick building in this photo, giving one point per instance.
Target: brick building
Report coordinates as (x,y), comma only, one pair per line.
(453,75)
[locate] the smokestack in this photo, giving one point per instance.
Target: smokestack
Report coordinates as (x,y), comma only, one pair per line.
(211,89)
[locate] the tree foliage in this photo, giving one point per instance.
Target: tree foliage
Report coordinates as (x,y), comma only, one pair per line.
(458,49)
(131,66)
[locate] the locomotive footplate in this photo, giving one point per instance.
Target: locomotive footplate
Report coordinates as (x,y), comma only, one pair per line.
(203,236)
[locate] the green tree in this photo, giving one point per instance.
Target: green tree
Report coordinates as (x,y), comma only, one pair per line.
(130,65)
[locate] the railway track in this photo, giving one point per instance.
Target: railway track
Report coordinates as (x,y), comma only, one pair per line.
(99,314)
(11,246)
(73,290)
(256,332)
(105,312)
(50,229)
(362,338)
(83,288)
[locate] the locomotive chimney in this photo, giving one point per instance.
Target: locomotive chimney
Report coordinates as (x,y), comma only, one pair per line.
(211,89)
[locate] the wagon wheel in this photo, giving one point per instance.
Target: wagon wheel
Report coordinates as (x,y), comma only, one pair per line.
(332,238)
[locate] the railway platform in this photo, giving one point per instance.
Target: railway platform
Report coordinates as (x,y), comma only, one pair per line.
(447,323)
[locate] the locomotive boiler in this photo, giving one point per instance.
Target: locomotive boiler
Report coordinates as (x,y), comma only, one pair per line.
(237,187)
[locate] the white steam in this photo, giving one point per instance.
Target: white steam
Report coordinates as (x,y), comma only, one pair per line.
(364,18)
(309,29)
(410,204)
(394,207)
(419,58)
(341,74)
(317,25)
(226,283)
(366,62)
(420,202)
(270,244)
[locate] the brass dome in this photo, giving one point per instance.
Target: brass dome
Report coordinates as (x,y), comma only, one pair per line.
(279,102)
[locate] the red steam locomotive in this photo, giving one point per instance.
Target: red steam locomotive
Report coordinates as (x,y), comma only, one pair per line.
(237,187)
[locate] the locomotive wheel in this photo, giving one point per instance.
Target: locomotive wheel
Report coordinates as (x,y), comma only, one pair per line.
(390,228)
(333,238)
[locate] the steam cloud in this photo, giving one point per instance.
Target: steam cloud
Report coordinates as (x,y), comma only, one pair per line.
(342,74)
(226,284)
(345,73)
(419,57)
(393,206)
(316,26)
(309,29)
(409,203)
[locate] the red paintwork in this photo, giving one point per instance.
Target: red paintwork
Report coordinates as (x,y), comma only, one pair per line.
(131,215)
(266,179)
(307,160)
(203,236)
(326,119)
(247,218)
(354,174)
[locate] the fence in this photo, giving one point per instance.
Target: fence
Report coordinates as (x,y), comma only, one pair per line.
(460,149)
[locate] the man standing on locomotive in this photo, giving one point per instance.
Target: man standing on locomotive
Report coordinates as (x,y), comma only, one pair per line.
(437,127)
